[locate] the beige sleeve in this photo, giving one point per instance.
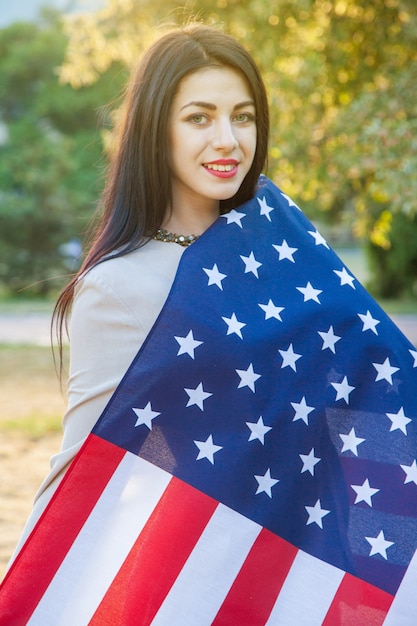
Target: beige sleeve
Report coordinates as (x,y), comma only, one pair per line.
(105,335)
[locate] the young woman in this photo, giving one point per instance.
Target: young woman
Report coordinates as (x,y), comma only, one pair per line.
(192,144)
(238,384)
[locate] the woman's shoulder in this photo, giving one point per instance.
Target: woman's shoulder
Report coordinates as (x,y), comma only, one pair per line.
(154,258)
(143,276)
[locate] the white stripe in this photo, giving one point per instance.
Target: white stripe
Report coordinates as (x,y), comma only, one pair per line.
(307,593)
(102,544)
(207,576)
(403,611)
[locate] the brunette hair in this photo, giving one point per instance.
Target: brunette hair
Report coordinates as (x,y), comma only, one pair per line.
(138,186)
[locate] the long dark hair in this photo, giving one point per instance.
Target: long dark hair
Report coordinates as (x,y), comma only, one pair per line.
(138,186)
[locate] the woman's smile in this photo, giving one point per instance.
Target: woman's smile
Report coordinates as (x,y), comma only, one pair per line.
(224,168)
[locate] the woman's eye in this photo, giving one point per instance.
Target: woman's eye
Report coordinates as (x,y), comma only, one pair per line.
(242,118)
(198,119)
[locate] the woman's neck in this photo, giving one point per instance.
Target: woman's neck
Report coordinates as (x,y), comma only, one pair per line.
(186,221)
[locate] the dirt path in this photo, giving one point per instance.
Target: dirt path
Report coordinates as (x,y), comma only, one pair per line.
(24,464)
(25,328)
(408,324)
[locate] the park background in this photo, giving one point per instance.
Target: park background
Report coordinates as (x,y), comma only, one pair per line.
(341,78)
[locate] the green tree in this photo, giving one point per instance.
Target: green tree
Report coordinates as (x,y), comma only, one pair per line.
(340,76)
(50,154)
(34,207)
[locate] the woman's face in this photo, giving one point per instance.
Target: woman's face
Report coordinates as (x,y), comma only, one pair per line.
(212,133)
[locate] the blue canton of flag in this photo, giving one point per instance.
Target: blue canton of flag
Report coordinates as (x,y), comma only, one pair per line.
(274,383)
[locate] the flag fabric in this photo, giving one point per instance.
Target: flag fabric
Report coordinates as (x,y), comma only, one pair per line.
(257,463)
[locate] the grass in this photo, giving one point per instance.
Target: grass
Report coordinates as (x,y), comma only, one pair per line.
(22,305)
(399,307)
(31,400)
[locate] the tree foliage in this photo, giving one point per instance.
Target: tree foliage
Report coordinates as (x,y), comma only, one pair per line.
(341,77)
(49,150)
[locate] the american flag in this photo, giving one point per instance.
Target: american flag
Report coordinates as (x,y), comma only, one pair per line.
(258,462)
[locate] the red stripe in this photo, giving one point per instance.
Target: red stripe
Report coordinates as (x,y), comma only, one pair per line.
(256,587)
(46,547)
(358,602)
(157,557)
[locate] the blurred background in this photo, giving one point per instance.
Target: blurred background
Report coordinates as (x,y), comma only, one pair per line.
(341,77)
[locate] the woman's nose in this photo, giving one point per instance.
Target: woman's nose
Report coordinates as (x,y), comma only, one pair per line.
(224,136)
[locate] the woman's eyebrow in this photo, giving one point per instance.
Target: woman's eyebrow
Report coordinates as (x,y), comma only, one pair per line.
(198,103)
(245,103)
(213,107)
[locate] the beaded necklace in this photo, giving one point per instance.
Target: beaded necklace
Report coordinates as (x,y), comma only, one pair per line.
(182,240)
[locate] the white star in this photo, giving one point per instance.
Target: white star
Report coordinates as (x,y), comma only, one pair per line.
(234,326)
(271,310)
(197,396)
(316,514)
(310,293)
(234,217)
(329,339)
(343,390)
(289,358)
(320,241)
(379,545)
(248,378)
(215,277)
(188,344)
(258,430)
(414,355)
(207,449)
(251,264)
(309,461)
(145,416)
(369,322)
(385,371)
(302,410)
(399,421)
(364,492)
(290,202)
(265,483)
(285,251)
(411,473)
(265,209)
(345,278)
(351,442)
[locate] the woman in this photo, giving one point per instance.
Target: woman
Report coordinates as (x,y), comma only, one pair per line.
(222,483)
(192,144)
